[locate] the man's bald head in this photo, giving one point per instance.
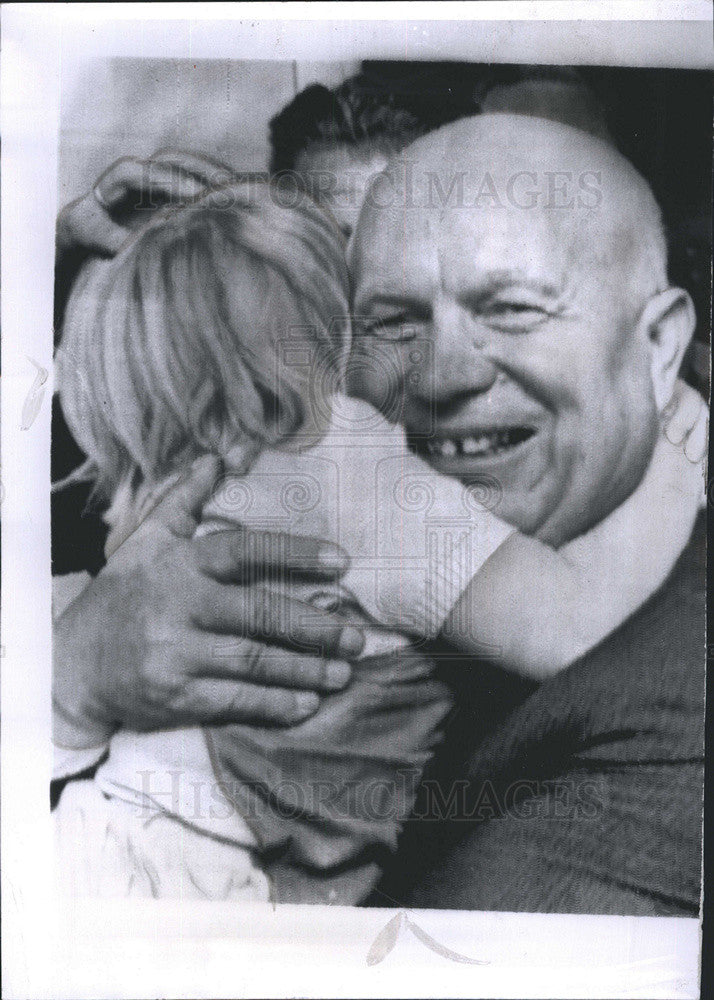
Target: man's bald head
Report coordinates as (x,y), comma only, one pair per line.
(510,284)
(599,208)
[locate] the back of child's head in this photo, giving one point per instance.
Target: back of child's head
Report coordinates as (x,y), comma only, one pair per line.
(181,344)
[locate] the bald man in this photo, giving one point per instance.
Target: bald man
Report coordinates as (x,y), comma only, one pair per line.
(534,267)
(511,289)
(512,309)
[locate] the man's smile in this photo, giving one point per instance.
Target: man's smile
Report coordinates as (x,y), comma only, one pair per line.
(463,452)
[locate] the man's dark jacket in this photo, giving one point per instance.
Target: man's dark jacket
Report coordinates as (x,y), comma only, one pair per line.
(581,795)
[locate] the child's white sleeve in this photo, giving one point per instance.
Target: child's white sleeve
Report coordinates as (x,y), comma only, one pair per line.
(414,538)
(419,540)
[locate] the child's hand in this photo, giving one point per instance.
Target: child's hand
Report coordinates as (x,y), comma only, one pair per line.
(685,421)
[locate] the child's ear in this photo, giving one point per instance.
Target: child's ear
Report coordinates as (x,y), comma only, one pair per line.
(667,321)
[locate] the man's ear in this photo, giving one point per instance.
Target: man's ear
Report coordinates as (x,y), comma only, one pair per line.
(667,321)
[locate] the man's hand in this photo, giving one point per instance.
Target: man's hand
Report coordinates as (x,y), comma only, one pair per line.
(134,188)
(156,642)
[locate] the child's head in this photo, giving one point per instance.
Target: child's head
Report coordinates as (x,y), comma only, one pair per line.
(208,332)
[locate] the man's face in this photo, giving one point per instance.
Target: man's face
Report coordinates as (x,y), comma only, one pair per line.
(511,364)
(338,177)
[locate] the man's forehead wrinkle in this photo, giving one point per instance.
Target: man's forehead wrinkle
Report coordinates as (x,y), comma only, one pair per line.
(480,248)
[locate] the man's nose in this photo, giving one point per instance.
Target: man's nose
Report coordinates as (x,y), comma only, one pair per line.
(457,359)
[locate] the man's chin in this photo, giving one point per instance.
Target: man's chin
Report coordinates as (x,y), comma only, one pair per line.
(535,509)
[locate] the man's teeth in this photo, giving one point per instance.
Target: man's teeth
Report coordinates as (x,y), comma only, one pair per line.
(472,446)
(484,444)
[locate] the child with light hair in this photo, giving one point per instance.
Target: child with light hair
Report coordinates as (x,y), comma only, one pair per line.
(222,328)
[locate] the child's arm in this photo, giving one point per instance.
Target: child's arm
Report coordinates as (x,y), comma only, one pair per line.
(538,609)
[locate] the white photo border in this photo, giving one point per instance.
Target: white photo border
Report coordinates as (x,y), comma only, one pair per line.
(130,949)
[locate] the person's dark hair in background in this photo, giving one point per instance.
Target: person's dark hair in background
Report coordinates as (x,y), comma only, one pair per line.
(387,110)
(391,104)
(333,141)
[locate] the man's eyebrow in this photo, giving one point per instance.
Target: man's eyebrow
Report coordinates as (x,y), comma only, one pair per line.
(403,303)
(499,281)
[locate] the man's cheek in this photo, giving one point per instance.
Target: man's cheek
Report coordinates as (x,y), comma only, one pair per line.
(556,473)
(377,374)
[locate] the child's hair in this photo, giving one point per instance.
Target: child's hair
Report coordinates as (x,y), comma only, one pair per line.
(172,349)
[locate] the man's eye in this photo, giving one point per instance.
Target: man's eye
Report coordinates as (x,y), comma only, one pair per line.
(516,315)
(394,328)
